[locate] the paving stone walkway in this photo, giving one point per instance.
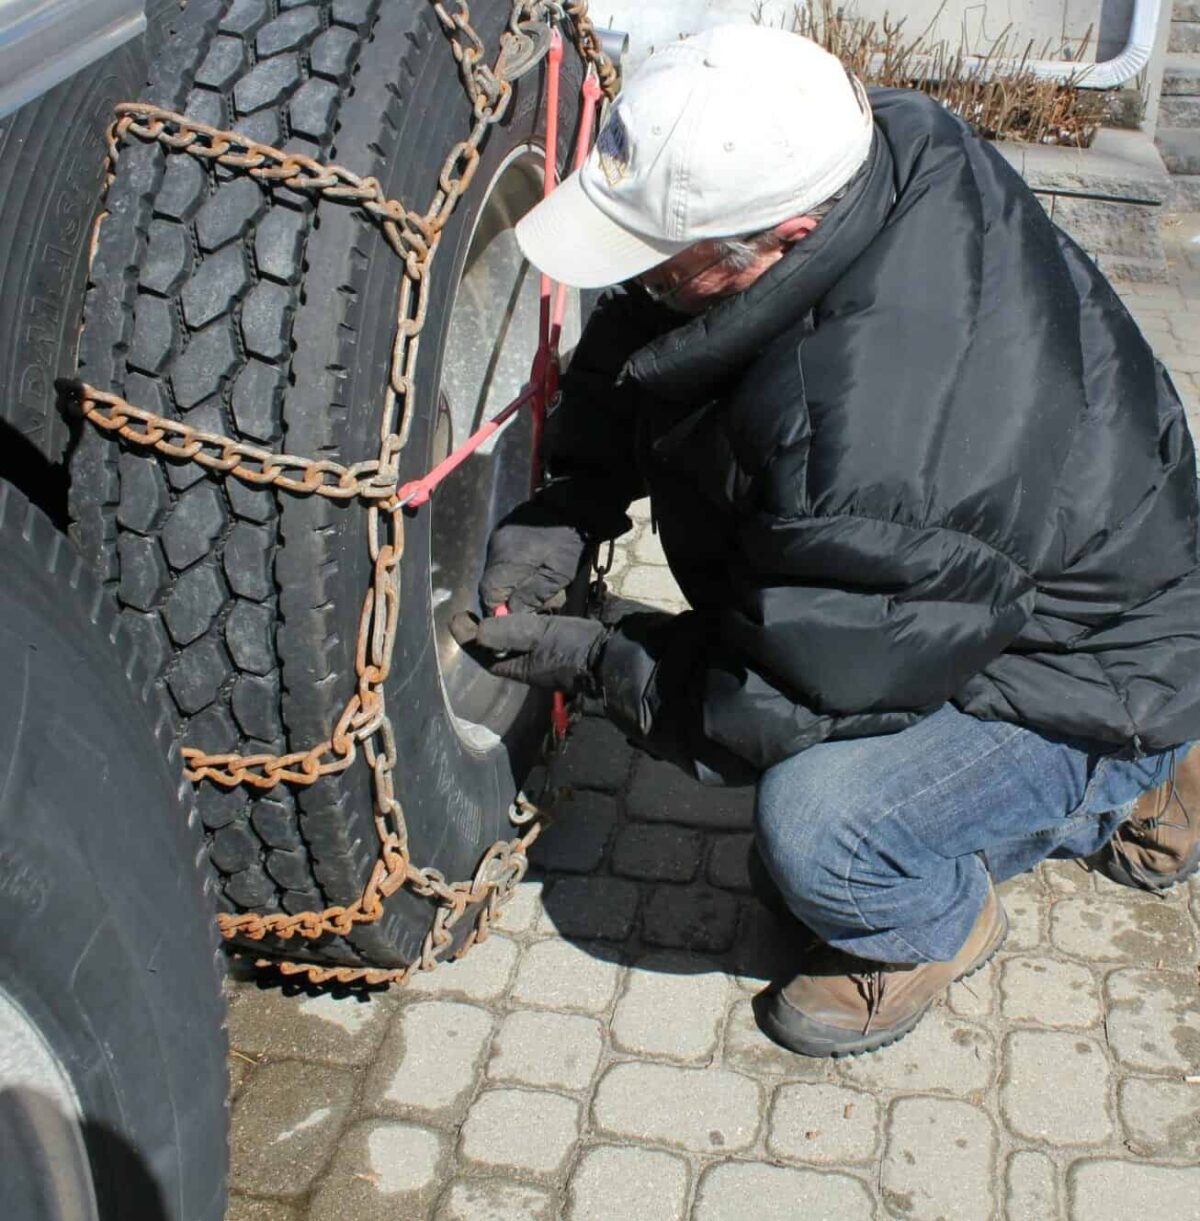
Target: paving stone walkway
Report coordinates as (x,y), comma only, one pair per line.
(597,1059)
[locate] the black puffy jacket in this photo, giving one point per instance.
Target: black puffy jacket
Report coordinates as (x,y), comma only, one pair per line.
(927,457)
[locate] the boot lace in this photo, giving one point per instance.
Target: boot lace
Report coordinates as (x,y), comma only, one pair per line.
(1122,847)
(871,985)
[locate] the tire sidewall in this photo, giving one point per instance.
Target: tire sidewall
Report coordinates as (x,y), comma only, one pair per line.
(109,945)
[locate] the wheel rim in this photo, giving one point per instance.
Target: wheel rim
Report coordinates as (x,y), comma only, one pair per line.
(490,344)
(46,1170)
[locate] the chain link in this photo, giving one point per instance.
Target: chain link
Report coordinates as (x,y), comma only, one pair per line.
(249,463)
(364,724)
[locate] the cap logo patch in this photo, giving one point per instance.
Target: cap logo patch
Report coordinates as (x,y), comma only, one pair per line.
(612,146)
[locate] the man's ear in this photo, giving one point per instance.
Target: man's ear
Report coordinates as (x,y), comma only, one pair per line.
(794,228)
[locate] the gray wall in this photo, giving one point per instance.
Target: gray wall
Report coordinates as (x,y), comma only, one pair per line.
(1062,23)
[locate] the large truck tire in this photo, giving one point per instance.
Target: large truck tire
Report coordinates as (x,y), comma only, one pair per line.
(53,155)
(113,1074)
(267,316)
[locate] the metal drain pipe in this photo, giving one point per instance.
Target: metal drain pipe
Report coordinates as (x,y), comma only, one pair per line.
(1108,74)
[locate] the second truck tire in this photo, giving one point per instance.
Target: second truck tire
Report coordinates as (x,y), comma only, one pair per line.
(113,1079)
(52,161)
(264,315)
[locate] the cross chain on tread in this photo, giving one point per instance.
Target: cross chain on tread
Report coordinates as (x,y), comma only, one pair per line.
(364,722)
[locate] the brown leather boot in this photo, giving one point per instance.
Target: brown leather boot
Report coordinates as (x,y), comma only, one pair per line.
(1159,844)
(842,1005)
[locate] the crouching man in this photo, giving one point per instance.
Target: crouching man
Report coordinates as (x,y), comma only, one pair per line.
(927,491)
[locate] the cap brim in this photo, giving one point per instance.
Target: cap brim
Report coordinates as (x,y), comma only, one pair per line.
(574,242)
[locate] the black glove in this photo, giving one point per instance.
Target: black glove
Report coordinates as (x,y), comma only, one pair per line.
(532,556)
(557,652)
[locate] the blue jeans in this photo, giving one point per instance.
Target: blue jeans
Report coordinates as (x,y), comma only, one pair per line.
(882,846)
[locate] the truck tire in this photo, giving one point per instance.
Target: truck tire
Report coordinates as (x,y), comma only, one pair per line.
(262,315)
(53,155)
(113,1074)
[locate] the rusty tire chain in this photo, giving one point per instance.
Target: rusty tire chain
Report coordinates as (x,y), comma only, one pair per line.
(364,720)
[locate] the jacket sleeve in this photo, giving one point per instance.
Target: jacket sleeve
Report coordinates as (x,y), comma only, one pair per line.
(837,627)
(590,438)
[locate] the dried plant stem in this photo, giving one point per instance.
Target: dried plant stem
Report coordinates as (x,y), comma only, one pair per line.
(995,92)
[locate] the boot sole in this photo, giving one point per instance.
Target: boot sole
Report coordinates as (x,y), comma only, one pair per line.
(1112,869)
(808,1038)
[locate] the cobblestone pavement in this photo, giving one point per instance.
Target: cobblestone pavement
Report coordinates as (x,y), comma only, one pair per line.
(597,1058)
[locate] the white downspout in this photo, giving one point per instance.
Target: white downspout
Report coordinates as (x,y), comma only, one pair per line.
(1143,29)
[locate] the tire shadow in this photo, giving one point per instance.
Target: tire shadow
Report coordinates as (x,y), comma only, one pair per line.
(24,465)
(669,897)
(49,1157)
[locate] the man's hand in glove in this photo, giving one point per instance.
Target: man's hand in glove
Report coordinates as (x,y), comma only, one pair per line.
(557,652)
(532,557)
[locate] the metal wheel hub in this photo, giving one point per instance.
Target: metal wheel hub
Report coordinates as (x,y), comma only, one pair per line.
(490,345)
(47,1176)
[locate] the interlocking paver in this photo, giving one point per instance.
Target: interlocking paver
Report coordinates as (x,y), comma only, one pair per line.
(611,1182)
(704,1110)
(575,841)
(660,792)
(1055,1088)
(1161,1118)
(648,549)
(1049,991)
(596,756)
(590,907)
(285,1125)
(1023,901)
(1153,1020)
(695,917)
(430,1058)
(548,1049)
(1067,877)
(733,1191)
(767,946)
(248,1208)
(662,853)
(1100,928)
(652,584)
(823,1124)
(728,862)
(240,1067)
(1110,1190)
(494,1200)
(673,1005)
(747,1050)
(483,974)
(383,1170)
(619,563)
(521,912)
(1031,1187)
(334,1029)
(974,997)
(524,1130)
(574,976)
(939,1159)
(941,1055)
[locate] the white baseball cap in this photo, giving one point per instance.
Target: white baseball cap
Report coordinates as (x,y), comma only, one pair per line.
(728,132)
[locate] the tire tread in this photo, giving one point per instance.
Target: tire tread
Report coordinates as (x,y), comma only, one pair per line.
(212,275)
